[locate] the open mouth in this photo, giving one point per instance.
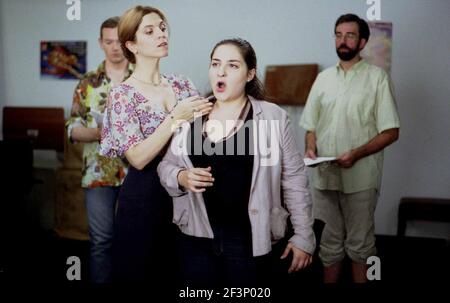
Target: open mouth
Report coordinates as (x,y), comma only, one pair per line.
(221,86)
(163,44)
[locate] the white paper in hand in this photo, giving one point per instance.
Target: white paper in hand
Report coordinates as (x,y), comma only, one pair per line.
(311,162)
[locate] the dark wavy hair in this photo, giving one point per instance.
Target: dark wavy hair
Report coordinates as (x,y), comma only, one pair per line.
(254,87)
(364,31)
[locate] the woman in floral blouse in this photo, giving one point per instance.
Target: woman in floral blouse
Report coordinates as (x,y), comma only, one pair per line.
(142,113)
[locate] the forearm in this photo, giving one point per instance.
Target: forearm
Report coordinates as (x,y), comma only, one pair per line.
(295,189)
(168,170)
(143,153)
(297,199)
(379,142)
(85,134)
(310,141)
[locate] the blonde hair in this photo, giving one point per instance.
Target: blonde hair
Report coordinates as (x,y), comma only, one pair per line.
(129,24)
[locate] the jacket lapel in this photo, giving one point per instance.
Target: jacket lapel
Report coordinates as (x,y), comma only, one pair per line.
(257,115)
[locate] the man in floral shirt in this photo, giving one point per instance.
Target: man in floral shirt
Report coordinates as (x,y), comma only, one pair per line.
(101,176)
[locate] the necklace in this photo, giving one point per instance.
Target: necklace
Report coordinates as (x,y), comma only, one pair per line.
(147,82)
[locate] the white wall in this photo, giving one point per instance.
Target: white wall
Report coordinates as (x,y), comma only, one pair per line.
(2,72)
(282,32)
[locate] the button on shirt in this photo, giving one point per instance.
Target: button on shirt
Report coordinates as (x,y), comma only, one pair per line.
(346,110)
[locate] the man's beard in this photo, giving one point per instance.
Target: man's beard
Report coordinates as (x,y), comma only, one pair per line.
(348,55)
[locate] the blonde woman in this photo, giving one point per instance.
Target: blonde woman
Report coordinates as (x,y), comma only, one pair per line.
(141,114)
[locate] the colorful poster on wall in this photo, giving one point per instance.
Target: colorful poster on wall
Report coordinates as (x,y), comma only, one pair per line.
(378,50)
(63,59)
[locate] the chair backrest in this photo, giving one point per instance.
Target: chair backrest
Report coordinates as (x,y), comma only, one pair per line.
(43,126)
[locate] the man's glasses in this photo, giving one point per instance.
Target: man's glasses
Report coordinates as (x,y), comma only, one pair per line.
(347,36)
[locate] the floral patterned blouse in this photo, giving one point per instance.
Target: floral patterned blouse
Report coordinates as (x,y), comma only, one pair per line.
(89,101)
(129,117)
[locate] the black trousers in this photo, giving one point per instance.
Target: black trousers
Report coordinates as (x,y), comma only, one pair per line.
(220,262)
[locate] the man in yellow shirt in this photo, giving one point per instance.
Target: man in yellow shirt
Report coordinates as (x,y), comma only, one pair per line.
(350,114)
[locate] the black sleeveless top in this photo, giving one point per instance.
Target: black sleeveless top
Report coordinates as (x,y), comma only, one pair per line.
(231,162)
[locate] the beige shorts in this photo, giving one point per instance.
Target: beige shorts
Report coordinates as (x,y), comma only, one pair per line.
(349,224)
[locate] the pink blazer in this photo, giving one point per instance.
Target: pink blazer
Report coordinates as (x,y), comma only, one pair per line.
(279,186)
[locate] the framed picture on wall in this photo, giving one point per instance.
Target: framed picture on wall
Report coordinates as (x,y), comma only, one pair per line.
(63,59)
(378,50)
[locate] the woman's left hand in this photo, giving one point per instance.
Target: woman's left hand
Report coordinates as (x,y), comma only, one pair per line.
(300,258)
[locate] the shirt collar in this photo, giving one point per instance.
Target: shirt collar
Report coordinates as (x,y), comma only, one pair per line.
(355,68)
(255,105)
(101,71)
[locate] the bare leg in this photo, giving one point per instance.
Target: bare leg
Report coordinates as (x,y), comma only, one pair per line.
(359,271)
(332,273)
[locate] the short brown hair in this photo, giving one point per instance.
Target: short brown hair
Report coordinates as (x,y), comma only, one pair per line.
(129,23)
(364,31)
(112,22)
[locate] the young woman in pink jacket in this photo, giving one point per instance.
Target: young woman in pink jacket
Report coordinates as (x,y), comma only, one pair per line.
(235,177)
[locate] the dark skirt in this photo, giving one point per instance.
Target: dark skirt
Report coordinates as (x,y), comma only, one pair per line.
(143,245)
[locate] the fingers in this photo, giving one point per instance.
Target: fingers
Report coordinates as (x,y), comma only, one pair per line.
(202,109)
(197,107)
(200,184)
(343,162)
(198,101)
(293,266)
(286,251)
(306,262)
(297,264)
(200,104)
(202,172)
(302,262)
(341,159)
(310,154)
(199,178)
(191,99)
(204,112)
(300,258)
(197,190)
(205,106)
